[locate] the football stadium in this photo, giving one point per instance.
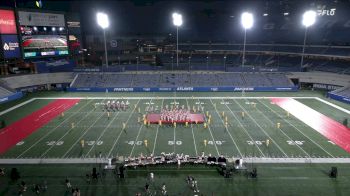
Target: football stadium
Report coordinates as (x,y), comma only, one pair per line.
(175,97)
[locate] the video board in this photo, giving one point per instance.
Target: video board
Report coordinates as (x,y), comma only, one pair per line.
(42,34)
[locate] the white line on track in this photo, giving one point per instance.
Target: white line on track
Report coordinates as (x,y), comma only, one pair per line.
(155,139)
(101,135)
(194,140)
(262,129)
(223,123)
(297,129)
(52,130)
(81,136)
(217,150)
(16,106)
(239,122)
(273,124)
(137,137)
(115,142)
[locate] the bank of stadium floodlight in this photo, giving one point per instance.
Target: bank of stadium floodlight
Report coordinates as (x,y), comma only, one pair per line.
(309,18)
(177,21)
(103,22)
(247,21)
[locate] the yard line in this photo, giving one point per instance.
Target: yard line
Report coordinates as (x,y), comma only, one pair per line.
(282,131)
(81,136)
(223,123)
(16,106)
(104,130)
(52,130)
(132,150)
(200,104)
(66,133)
(115,142)
(155,140)
(333,105)
(239,122)
(194,140)
(137,137)
(174,126)
(261,128)
(297,129)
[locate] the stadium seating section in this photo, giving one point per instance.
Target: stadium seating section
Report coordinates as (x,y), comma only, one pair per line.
(196,79)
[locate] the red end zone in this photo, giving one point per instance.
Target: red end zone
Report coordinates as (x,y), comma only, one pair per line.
(331,129)
(17,131)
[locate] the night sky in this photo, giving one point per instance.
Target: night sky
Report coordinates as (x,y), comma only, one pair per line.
(208,20)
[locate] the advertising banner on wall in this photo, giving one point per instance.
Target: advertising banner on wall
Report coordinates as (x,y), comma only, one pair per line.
(10,46)
(7,22)
(41,19)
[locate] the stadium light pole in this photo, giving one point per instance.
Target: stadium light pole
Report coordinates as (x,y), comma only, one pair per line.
(177,21)
(309,18)
(103,22)
(247,21)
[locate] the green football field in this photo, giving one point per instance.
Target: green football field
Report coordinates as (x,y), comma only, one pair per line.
(245,137)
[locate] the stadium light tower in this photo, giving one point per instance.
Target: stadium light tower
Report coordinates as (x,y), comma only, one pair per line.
(309,18)
(247,21)
(177,21)
(103,22)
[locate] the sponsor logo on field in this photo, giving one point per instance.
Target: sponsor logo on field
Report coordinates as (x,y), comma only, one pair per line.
(243,89)
(83,89)
(284,88)
(184,88)
(164,89)
(123,89)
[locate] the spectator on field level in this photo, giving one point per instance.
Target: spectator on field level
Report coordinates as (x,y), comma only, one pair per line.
(88,179)
(147,188)
(76,192)
(23,186)
(68,183)
(36,189)
(2,171)
(164,192)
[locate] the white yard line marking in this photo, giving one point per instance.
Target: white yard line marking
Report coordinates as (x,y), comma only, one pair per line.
(115,142)
(155,139)
(262,129)
(273,124)
(217,150)
(223,123)
(137,137)
(103,132)
(333,105)
(297,129)
(17,106)
(52,130)
(174,128)
(194,140)
(239,122)
(81,136)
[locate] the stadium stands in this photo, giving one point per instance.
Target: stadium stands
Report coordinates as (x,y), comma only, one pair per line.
(176,79)
(345,92)
(4,92)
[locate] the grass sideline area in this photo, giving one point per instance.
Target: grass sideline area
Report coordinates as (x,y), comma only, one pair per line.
(245,137)
(273,179)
